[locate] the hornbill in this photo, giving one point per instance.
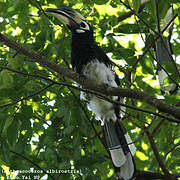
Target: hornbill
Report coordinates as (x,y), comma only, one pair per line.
(163,52)
(89,60)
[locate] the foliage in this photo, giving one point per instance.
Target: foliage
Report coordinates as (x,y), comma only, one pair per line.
(51,128)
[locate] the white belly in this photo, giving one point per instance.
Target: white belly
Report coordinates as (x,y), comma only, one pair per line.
(101,75)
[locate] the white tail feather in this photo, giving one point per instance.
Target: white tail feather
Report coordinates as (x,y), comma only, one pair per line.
(127,170)
(132,147)
(118,156)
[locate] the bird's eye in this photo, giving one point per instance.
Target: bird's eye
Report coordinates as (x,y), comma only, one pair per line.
(83,25)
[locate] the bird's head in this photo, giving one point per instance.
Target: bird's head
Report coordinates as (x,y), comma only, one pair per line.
(73,19)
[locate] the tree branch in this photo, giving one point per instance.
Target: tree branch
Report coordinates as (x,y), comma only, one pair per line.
(27,97)
(36,165)
(130,13)
(157,127)
(100,95)
(157,155)
(152,43)
(112,91)
(172,149)
(148,175)
(159,64)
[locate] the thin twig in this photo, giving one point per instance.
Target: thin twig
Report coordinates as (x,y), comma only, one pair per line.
(36,165)
(152,43)
(27,97)
(156,153)
(162,39)
(157,127)
(130,13)
(157,15)
(170,77)
(148,175)
(147,25)
(172,149)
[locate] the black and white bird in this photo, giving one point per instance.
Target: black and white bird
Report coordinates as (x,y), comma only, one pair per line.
(89,60)
(163,53)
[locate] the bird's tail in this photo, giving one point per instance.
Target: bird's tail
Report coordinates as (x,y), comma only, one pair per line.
(163,56)
(121,149)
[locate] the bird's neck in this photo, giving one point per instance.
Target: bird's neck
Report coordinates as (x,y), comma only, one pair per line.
(82,52)
(82,41)
(82,48)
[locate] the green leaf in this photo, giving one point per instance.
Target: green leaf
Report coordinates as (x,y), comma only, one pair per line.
(92,177)
(15,62)
(2,162)
(68,130)
(90,160)
(136,5)
(162,11)
(7,124)
(152,9)
(176,152)
(12,131)
(31,85)
(101,2)
(6,79)
(76,146)
(129,29)
(5,150)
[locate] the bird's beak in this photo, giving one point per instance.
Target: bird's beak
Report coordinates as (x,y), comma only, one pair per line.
(67,15)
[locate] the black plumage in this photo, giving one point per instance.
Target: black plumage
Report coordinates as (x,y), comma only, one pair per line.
(84,49)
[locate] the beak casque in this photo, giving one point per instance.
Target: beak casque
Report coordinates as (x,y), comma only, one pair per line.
(67,15)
